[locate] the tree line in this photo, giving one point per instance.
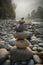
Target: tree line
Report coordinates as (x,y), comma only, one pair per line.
(36,13)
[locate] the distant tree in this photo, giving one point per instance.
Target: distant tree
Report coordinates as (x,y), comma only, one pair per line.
(40,12)
(37,13)
(14,6)
(28,17)
(33,13)
(6,10)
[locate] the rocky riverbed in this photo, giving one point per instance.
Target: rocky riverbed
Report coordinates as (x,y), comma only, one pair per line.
(7,42)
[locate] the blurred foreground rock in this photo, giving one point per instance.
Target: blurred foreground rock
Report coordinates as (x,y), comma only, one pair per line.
(3,54)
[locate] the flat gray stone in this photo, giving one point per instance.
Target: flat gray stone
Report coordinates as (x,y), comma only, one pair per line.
(41,44)
(31,62)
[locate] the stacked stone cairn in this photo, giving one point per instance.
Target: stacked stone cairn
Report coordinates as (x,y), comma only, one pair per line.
(21,50)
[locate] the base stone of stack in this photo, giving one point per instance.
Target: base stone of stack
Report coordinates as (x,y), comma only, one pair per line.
(20,54)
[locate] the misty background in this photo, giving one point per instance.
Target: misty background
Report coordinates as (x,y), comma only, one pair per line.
(25,7)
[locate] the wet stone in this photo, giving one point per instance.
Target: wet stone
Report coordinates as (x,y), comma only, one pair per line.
(41,55)
(40,49)
(2,43)
(35,52)
(35,45)
(31,62)
(34,48)
(23,62)
(7,62)
(41,44)
(15,64)
(37,59)
(12,42)
(38,64)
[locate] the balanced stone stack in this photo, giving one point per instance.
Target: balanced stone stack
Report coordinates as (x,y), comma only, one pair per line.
(21,50)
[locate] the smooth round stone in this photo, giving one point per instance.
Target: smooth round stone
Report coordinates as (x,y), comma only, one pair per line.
(21,54)
(12,42)
(7,62)
(2,43)
(19,28)
(40,30)
(33,42)
(23,62)
(33,37)
(3,54)
(40,36)
(35,45)
(15,64)
(40,49)
(31,62)
(36,40)
(10,35)
(22,43)
(21,35)
(31,46)
(34,48)
(8,47)
(38,64)
(41,54)
(40,44)
(37,59)
(35,52)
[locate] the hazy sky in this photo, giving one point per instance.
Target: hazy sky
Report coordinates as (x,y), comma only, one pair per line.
(23,7)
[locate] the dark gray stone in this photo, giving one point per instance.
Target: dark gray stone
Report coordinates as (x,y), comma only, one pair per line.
(31,62)
(19,28)
(21,54)
(41,44)
(41,55)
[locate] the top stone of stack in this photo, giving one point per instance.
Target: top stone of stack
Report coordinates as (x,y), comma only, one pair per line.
(20,27)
